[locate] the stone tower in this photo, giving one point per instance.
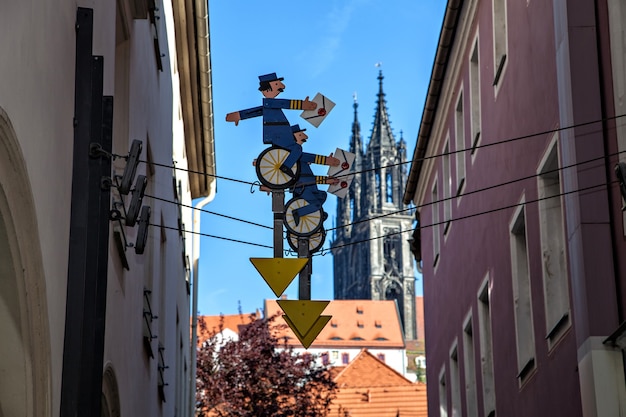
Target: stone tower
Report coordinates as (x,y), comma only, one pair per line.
(371,255)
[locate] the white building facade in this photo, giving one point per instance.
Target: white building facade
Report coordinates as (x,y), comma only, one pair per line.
(153,68)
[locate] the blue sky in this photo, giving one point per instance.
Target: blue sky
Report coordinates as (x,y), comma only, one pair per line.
(331,47)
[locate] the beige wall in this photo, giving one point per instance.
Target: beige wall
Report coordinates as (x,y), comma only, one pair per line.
(37,45)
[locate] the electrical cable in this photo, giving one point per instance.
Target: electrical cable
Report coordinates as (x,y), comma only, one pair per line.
(195,172)
(327,250)
(474,214)
(207,211)
(406,162)
(477,190)
(472,149)
(399,211)
(212,236)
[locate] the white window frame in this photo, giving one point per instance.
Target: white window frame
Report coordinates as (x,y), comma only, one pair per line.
(522,300)
(443,393)
(469,367)
(455,381)
(617,28)
(553,243)
(474,101)
(500,42)
(435,223)
(486,347)
(459,145)
(447,186)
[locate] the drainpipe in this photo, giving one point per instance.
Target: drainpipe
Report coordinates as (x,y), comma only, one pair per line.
(195,255)
(206,103)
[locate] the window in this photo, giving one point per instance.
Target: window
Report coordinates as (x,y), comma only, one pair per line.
(521,296)
(470,368)
(345,358)
(555,286)
(455,382)
(474,91)
(352,213)
(435,222)
(459,141)
(381,357)
(378,185)
(499,39)
(443,396)
(388,187)
(447,187)
(325,358)
(617,25)
(486,346)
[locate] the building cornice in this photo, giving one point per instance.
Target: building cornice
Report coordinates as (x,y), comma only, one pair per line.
(440,66)
(191,21)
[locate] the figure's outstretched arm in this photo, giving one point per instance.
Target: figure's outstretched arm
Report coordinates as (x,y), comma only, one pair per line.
(233,117)
(326,180)
(319,159)
(285,103)
(236,116)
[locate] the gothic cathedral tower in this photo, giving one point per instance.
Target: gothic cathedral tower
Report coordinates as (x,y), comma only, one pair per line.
(371,255)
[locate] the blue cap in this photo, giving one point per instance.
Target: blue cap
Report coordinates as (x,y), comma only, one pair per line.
(296,129)
(269,77)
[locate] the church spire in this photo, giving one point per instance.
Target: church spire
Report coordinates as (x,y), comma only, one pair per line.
(382,135)
(356,145)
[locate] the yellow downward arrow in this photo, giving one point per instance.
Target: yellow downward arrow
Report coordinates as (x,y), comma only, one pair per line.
(309,337)
(279,272)
(303,313)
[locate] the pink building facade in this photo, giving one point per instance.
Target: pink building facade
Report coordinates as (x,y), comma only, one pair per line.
(521,231)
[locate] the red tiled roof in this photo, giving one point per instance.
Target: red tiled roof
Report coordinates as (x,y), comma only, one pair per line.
(365,370)
(419,317)
(354,323)
(368,387)
(213,324)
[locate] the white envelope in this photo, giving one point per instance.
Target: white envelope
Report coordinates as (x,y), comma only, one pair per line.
(341,189)
(342,172)
(317,116)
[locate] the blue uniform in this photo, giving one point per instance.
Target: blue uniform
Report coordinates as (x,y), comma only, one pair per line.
(306,186)
(276,129)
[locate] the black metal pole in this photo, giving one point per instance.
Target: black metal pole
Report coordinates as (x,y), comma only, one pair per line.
(278,207)
(304,280)
(81,386)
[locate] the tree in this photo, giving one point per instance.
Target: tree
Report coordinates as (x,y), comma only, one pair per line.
(258,375)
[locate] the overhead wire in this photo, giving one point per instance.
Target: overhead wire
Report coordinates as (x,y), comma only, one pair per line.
(211,236)
(477,190)
(207,211)
(386,166)
(474,148)
(527,136)
(475,214)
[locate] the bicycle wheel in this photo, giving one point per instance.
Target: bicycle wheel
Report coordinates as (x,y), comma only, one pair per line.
(316,241)
(308,224)
(268,168)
